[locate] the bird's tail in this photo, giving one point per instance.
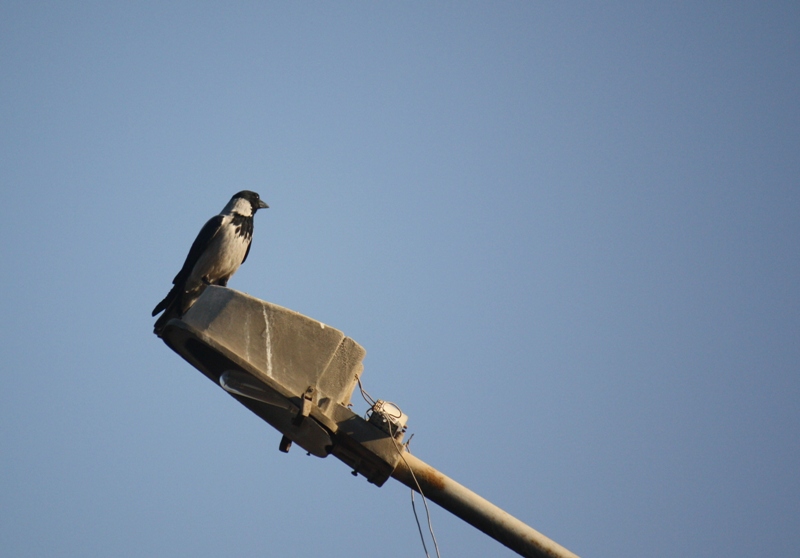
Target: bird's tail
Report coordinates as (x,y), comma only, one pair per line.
(171,297)
(170,312)
(171,307)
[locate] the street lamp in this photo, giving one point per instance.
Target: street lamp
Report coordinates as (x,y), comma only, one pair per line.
(298,375)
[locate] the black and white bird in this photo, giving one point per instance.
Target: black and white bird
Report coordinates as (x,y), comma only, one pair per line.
(221,247)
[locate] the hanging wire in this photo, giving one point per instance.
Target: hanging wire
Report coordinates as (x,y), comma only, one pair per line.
(424,500)
(371,402)
(419,527)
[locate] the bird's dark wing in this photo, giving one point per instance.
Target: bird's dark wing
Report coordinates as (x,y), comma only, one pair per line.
(204,237)
(207,233)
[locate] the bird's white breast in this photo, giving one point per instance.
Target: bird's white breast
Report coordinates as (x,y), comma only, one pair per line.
(222,258)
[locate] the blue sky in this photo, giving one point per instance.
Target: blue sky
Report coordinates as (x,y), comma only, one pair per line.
(568,236)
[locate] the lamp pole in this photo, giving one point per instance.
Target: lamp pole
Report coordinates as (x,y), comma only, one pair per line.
(475,510)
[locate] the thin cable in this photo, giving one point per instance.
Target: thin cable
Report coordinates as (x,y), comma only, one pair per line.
(424,500)
(370,401)
(364,393)
(419,527)
(427,511)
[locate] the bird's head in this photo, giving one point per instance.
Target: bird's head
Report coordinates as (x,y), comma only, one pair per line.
(245,203)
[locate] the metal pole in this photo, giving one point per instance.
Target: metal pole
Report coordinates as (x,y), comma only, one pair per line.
(475,510)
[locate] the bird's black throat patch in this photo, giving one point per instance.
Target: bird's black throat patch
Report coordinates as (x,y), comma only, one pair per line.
(244,225)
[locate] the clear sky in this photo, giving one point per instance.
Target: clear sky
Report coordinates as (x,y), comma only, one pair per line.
(567,234)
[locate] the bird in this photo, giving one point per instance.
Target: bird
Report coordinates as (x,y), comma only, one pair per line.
(219,249)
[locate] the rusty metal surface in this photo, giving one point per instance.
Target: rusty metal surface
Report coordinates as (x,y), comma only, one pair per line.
(477,511)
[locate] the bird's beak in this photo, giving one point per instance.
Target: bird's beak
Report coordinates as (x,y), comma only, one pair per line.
(262,205)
